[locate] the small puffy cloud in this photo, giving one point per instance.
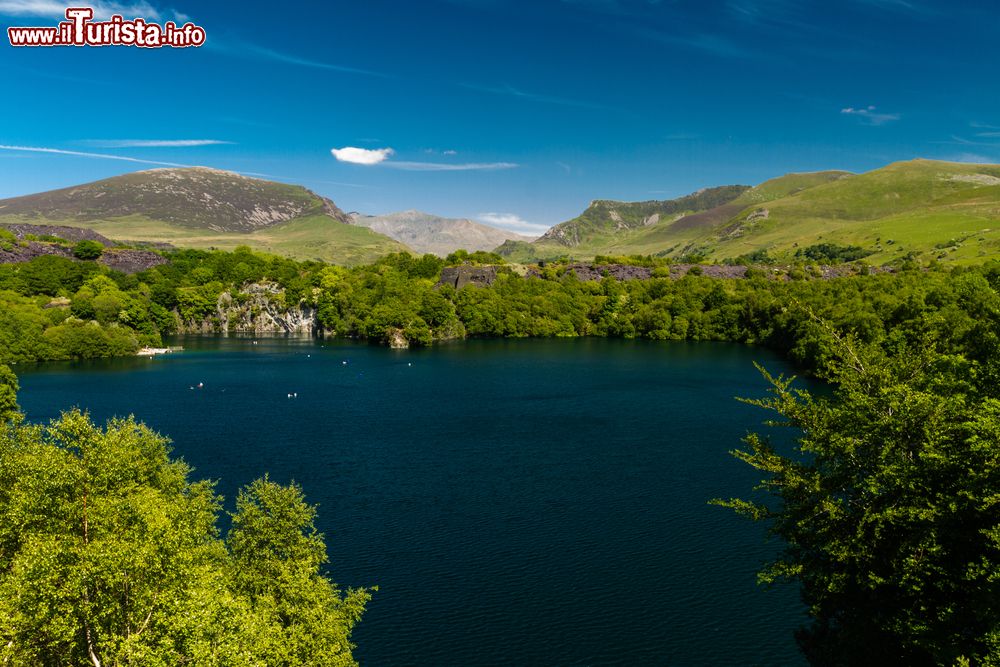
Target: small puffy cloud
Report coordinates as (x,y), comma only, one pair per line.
(512,222)
(870,115)
(380,156)
(363,156)
(450,152)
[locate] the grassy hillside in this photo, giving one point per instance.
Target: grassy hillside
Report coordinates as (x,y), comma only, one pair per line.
(787,185)
(312,237)
(206,208)
(604,221)
(922,208)
(949,211)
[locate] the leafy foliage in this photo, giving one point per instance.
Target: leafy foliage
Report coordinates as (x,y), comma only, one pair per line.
(110,554)
(87,249)
(8,394)
(888,507)
(832,253)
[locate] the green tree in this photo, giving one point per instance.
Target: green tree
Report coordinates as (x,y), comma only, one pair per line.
(8,394)
(888,508)
(110,555)
(88,250)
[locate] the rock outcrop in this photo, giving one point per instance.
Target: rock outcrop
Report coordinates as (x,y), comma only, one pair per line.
(257,308)
(119,259)
(460,276)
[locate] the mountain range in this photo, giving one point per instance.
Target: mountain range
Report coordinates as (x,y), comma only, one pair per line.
(426,233)
(920,208)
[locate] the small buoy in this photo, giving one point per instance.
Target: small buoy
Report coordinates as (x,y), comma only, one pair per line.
(295,394)
(289,396)
(344,362)
(201,385)
(409,364)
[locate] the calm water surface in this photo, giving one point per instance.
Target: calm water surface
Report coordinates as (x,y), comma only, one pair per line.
(516,502)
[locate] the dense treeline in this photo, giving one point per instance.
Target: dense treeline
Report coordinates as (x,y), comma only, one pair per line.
(54,308)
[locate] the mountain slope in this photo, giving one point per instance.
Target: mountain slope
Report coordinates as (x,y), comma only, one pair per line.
(945,210)
(206,208)
(923,208)
(605,219)
(426,233)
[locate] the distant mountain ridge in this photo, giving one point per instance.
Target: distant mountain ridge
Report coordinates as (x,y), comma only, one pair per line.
(427,233)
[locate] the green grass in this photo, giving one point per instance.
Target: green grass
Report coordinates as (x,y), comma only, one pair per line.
(787,185)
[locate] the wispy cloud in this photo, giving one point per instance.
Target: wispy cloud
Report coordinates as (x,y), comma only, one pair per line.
(103,9)
(510,91)
(706,42)
(365,156)
(870,115)
(972,158)
(985,131)
(120,158)
(904,6)
(103,156)
(241,49)
(962,141)
(154,143)
(444,166)
(512,222)
(380,156)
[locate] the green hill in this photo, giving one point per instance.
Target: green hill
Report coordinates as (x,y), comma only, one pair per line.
(606,220)
(206,208)
(927,209)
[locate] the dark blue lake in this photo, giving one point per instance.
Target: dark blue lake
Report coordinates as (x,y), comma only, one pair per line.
(537,502)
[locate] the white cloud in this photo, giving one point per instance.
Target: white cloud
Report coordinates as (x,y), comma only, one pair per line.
(103,9)
(59,151)
(241,49)
(512,222)
(380,156)
(154,143)
(449,152)
(363,156)
(105,156)
(870,115)
(442,166)
(972,158)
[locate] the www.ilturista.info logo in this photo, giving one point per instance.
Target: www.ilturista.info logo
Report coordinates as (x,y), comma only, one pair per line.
(80,30)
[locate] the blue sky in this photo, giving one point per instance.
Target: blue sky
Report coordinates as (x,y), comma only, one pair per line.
(515,113)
